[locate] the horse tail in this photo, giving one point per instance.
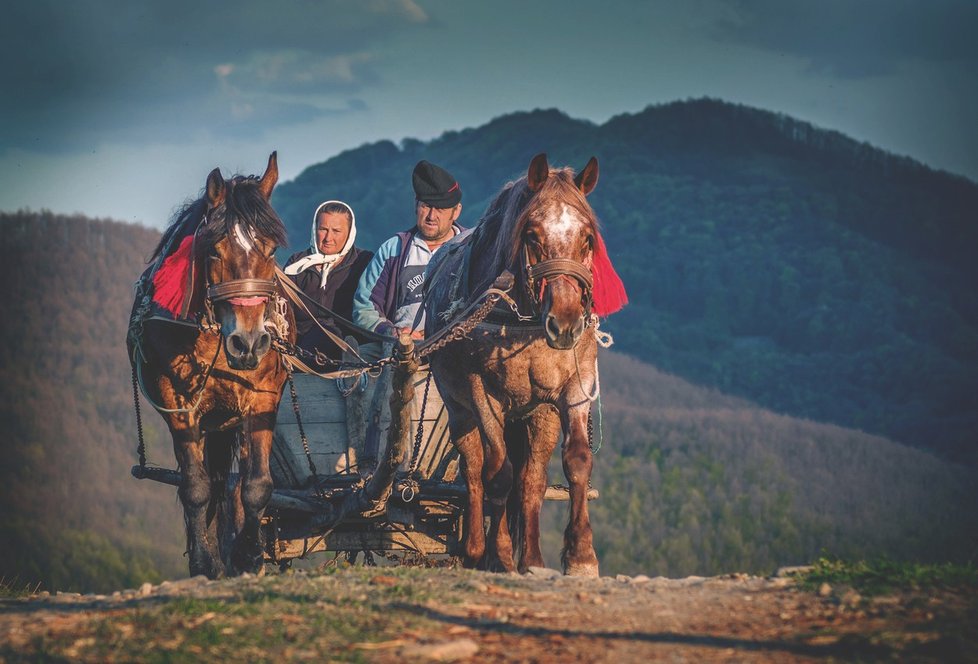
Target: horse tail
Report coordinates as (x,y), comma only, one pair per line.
(220,451)
(517,439)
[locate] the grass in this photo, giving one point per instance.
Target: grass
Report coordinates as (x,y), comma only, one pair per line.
(882,575)
(14,588)
(330,615)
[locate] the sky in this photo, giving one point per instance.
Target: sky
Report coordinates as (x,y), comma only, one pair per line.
(119,109)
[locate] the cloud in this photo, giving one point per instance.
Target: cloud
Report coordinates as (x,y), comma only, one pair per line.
(122,70)
(298,71)
(857,39)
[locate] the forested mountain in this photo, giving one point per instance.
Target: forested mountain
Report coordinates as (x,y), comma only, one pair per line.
(815,275)
(71,515)
(692,480)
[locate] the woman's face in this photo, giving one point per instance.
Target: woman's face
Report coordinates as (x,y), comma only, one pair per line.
(332,231)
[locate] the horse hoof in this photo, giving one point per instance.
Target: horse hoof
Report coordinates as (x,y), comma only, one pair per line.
(582,569)
(246,564)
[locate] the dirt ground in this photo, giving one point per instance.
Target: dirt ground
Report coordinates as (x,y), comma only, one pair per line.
(416,615)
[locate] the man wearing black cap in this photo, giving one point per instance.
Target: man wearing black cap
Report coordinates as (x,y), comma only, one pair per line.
(388,299)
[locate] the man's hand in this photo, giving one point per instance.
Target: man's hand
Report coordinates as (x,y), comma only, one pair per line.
(417,335)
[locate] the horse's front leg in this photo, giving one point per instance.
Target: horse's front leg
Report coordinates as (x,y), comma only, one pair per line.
(469,445)
(543,428)
(497,478)
(195,496)
(247,553)
(578,557)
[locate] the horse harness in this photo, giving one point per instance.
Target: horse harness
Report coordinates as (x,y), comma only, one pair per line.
(556,268)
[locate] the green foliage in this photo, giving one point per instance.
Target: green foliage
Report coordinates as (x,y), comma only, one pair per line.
(883,575)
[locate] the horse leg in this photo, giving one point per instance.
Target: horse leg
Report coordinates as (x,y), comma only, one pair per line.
(225,508)
(543,427)
(578,557)
(469,447)
(497,478)
(499,556)
(195,496)
(247,553)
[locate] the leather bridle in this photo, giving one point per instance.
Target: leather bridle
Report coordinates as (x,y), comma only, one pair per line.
(555,268)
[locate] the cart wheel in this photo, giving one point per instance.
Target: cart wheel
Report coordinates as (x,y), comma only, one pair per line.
(285,565)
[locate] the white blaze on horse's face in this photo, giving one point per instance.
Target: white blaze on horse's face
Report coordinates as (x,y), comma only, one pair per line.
(563,232)
(241,257)
(242,237)
(570,228)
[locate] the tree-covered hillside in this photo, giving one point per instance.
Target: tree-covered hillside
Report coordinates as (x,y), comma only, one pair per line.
(71,515)
(793,266)
(692,480)
(696,482)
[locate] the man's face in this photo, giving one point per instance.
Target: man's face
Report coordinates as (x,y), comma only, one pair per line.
(435,224)
(332,231)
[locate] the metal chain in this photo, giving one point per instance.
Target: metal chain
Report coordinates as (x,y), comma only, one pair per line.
(416,452)
(463,329)
(302,433)
(590,432)
(141,447)
(321,359)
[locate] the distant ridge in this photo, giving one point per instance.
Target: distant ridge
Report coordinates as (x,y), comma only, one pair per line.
(789,264)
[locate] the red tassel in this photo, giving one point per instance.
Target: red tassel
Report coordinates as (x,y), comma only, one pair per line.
(170,281)
(609,291)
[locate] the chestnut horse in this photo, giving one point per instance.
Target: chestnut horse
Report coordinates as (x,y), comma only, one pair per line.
(218,385)
(512,388)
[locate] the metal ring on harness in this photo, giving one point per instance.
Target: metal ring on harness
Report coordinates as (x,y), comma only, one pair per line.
(408,492)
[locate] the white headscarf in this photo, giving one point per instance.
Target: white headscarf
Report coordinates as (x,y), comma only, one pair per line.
(318,258)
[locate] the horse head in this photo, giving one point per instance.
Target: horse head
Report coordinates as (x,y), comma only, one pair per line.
(558,231)
(239,236)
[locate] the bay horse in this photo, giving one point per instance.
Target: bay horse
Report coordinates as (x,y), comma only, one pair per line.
(218,385)
(512,388)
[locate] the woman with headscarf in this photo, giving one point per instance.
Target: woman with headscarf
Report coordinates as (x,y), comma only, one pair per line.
(328,273)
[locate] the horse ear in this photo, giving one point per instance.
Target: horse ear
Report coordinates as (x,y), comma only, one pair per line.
(215,188)
(587,179)
(270,177)
(538,172)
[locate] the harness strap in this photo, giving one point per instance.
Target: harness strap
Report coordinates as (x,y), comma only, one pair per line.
(295,294)
(227,290)
(554,267)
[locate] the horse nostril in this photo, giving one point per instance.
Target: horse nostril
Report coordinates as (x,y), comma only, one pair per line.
(578,327)
(553,330)
(237,344)
(264,343)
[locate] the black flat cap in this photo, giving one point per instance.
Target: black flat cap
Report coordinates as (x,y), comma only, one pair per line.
(435,186)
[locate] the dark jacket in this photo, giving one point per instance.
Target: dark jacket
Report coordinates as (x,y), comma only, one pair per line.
(336,296)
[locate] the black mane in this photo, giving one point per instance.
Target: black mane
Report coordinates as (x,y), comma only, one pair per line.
(243,204)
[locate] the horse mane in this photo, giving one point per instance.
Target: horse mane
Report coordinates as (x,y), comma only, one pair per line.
(184,223)
(246,205)
(500,231)
(243,203)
